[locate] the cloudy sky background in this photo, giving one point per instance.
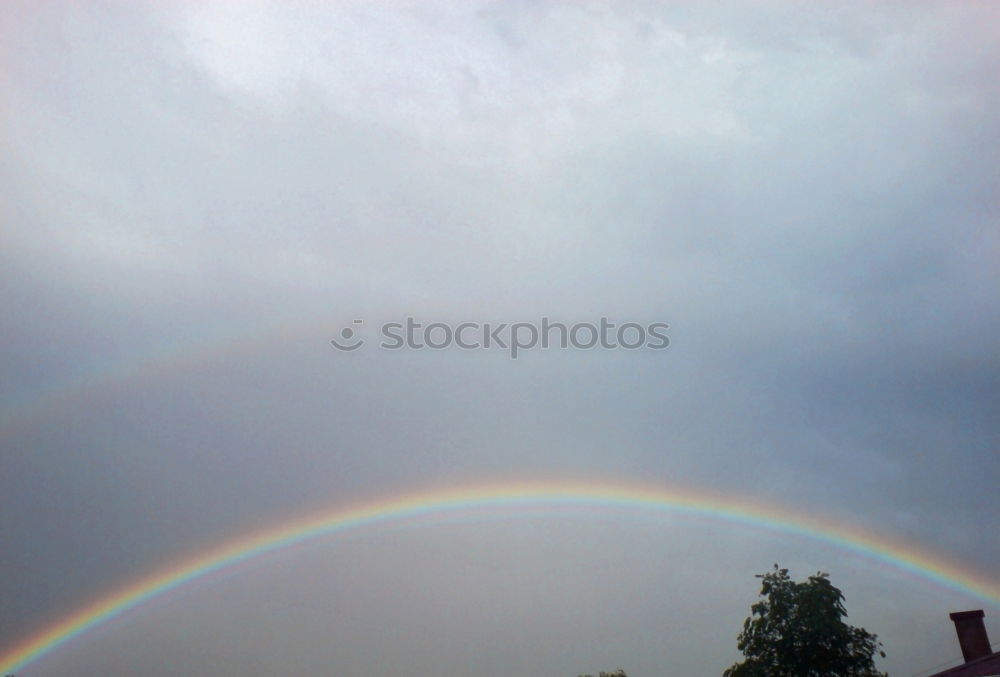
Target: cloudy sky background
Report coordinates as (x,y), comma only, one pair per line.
(196,197)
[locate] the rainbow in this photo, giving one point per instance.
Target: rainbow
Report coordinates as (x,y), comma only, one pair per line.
(505,496)
(151,363)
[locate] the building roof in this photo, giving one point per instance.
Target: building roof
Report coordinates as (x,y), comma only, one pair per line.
(987,666)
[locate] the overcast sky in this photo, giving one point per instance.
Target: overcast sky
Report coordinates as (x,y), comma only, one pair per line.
(196,197)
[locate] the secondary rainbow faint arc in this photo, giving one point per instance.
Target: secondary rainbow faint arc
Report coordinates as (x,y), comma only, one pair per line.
(507,495)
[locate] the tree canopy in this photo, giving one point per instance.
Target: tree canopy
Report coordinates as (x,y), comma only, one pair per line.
(798,630)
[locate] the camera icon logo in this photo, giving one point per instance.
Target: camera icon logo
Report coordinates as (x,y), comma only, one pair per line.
(348,340)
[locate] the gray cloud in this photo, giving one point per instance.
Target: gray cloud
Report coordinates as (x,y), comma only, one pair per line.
(208,193)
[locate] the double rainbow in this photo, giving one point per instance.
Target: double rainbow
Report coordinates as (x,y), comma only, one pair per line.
(509,496)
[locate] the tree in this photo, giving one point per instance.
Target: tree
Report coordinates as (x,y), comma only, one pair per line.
(617,673)
(798,630)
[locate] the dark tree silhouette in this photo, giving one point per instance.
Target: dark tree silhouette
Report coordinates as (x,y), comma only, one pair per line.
(617,673)
(798,630)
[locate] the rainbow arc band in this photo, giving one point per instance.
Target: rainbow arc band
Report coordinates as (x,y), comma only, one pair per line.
(602,495)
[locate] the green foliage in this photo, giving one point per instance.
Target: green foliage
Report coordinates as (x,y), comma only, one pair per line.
(798,630)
